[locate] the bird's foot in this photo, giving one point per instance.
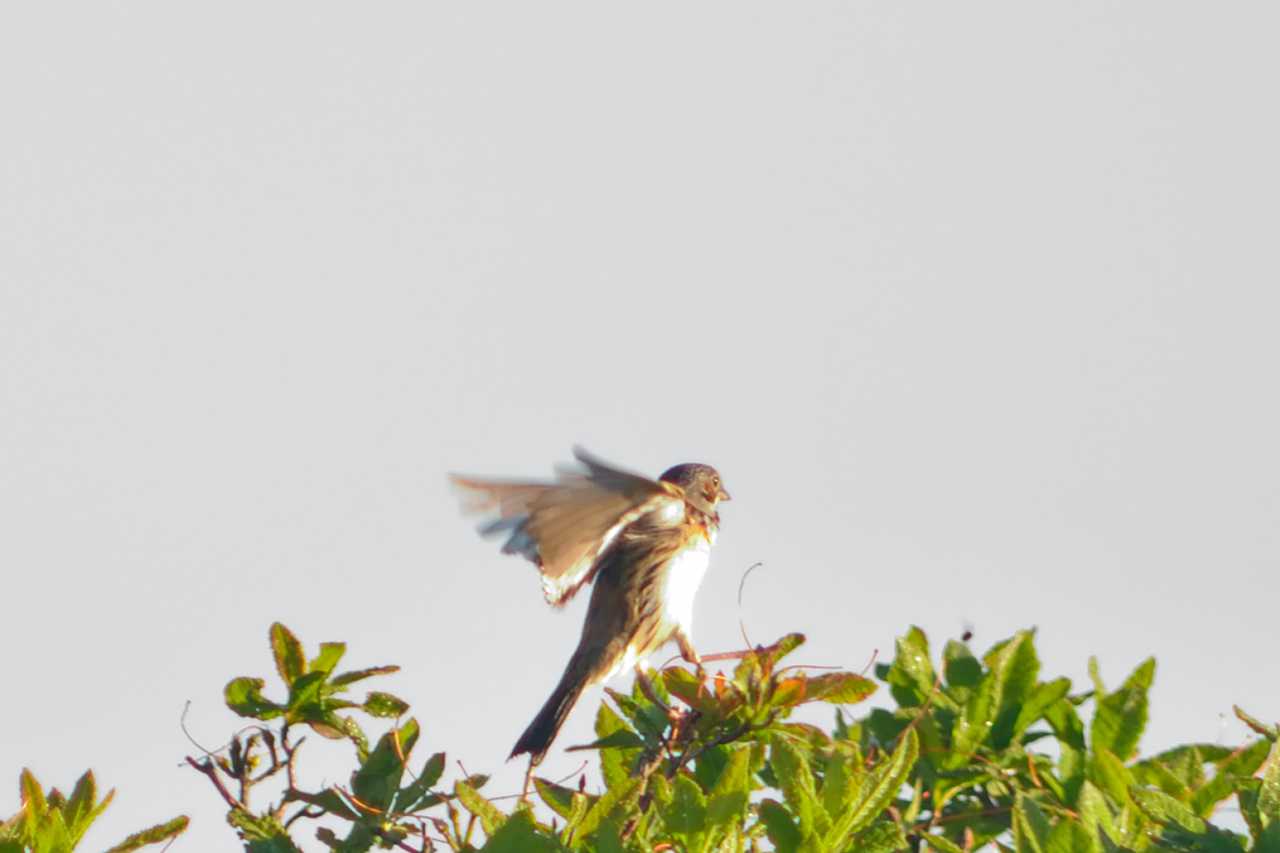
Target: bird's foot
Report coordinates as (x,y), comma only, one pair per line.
(651,693)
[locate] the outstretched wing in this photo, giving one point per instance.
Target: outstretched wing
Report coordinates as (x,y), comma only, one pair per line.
(564,527)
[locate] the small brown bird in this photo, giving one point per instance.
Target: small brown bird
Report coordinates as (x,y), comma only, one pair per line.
(646,544)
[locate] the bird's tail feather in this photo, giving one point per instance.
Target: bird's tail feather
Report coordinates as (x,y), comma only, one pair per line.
(537,738)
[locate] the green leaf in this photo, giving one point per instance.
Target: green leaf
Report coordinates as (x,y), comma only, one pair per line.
(579,804)
(79,810)
(290,660)
(911,676)
(1043,697)
(1069,730)
(355,734)
(788,692)
(779,826)
(1110,775)
(615,764)
(838,688)
(263,833)
(877,792)
(643,714)
(153,835)
(329,799)
(1120,717)
(1223,784)
(32,794)
(686,687)
(520,834)
(1094,811)
(379,704)
(617,798)
(795,779)
(709,764)
(361,674)
(770,655)
(975,722)
(1269,732)
(1269,791)
(244,696)
(1068,836)
(748,674)
(1015,667)
(330,654)
(1163,808)
(621,739)
(377,780)
(490,816)
(687,814)
(1095,675)
(304,692)
(1268,840)
(959,665)
(557,797)
(1030,826)
(416,794)
(728,800)
(841,778)
(940,843)
(881,837)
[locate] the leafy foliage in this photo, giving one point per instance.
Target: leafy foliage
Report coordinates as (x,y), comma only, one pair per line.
(976,751)
(972,751)
(53,823)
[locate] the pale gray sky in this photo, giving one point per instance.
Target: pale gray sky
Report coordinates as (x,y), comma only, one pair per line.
(974,305)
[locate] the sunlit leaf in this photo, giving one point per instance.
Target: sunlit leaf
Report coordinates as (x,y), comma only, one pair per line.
(791,766)
(521,835)
(287,651)
(910,675)
(327,659)
(1270,732)
(361,674)
(877,791)
(1120,717)
(491,817)
(379,704)
(839,688)
(244,696)
(377,780)
(1163,808)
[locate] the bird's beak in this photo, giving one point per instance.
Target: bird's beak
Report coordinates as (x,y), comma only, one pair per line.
(723,496)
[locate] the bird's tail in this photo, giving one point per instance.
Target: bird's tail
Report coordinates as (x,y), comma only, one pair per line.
(537,738)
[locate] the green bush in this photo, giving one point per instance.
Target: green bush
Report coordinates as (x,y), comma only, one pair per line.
(53,823)
(974,752)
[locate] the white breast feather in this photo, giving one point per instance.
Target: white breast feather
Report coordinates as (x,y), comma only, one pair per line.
(684,576)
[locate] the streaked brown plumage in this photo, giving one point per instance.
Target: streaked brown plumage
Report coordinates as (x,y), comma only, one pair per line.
(645,543)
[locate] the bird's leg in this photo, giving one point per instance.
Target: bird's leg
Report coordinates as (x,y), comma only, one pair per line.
(643,668)
(528,777)
(689,654)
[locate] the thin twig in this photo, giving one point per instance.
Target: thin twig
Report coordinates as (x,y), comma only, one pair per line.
(742,582)
(207,768)
(306,811)
(182,724)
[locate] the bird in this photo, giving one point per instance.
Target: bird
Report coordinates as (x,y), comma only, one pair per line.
(645,544)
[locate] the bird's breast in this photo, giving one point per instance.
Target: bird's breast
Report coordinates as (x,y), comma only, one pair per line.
(683,577)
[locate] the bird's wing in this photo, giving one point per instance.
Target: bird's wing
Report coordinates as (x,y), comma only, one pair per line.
(564,527)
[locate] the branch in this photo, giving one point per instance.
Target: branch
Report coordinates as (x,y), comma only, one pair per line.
(207,768)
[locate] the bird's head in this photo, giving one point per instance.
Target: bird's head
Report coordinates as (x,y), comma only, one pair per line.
(700,484)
